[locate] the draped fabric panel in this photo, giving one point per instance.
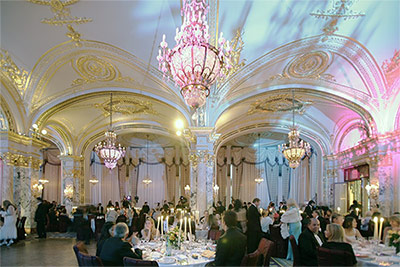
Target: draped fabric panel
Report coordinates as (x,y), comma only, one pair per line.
(170,170)
(110,185)
(52,173)
(155,191)
(1,180)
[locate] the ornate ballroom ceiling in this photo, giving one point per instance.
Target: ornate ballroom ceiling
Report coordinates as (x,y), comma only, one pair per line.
(338,79)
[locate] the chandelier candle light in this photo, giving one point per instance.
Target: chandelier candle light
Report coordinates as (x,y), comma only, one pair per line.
(193,63)
(107,149)
(297,148)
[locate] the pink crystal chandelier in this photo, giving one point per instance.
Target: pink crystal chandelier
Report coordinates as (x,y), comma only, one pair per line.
(193,63)
(107,149)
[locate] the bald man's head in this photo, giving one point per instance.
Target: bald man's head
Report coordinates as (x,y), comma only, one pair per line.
(313,225)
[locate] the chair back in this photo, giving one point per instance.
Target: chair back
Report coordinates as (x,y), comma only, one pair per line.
(214,234)
(88,260)
(269,249)
(332,257)
(78,249)
(251,259)
(281,245)
(295,250)
(135,262)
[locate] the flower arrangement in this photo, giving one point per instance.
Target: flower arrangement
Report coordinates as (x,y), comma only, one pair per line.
(394,239)
(173,237)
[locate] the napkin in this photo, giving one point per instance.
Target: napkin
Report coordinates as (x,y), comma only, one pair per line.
(208,253)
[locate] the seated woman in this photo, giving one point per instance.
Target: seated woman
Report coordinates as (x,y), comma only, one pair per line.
(394,221)
(351,233)
(149,232)
(334,234)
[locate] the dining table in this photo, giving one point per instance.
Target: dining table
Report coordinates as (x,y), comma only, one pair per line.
(372,253)
(191,253)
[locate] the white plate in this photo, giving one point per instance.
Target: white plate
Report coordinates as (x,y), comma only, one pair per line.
(155,255)
(167,260)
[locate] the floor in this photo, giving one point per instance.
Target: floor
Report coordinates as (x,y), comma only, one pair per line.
(53,251)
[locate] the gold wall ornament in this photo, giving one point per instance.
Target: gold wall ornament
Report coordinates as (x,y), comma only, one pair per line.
(74,35)
(8,116)
(391,68)
(19,160)
(235,63)
(17,75)
(62,14)
(96,69)
(279,103)
(126,106)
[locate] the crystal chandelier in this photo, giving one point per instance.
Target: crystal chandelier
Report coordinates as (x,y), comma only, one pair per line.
(295,150)
(259,179)
(147,179)
(193,63)
(107,149)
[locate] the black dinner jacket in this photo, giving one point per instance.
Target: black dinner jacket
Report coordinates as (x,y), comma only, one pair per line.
(308,248)
(253,220)
(343,247)
(114,250)
(231,248)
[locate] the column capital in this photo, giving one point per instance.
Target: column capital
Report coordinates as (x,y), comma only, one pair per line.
(19,160)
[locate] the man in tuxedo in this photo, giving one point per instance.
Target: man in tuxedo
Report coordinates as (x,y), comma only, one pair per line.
(309,241)
(41,218)
(231,247)
(116,248)
(254,232)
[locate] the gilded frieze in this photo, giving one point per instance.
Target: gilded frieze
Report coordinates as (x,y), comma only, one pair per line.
(96,69)
(21,160)
(279,103)
(17,75)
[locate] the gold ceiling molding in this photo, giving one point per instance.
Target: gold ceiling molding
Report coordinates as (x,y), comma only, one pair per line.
(279,103)
(307,66)
(62,14)
(18,76)
(8,115)
(19,160)
(74,35)
(25,140)
(126,106)
(391,68)
(96,69)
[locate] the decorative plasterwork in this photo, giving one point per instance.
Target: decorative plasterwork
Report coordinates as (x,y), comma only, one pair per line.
(8,115)
(391,68)
(74,35)
(96,69)
(340,9)
(17,75)
(23,140)
(279,103)
(126,106)
(62,14)
(308,66)
(21,160)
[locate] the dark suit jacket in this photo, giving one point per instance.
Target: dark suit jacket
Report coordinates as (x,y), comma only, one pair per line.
(340,246)
(253,220)
(41,213)
(114,250)
(231,248)
(308,248)
(322,223)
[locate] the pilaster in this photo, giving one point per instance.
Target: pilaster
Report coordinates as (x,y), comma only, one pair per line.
(72,184)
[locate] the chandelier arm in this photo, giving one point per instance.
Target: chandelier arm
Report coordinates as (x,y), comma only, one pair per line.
(111,112)
(293,105)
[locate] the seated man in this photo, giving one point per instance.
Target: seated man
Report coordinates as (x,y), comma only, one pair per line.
(309,241)
(231,247)
(116,248)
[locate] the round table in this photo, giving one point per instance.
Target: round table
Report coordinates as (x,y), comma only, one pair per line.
(372,254)
(190,255)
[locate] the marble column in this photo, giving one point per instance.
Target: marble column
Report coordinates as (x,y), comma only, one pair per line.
(71,178)
(381,175)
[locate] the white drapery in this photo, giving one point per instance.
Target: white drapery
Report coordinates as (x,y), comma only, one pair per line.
(52,173)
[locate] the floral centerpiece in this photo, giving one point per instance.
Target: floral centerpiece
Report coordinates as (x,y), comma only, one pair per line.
(394,239)
(173,237)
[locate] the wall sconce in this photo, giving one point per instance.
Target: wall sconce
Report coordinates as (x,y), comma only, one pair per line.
(216,189)
(69,192)
(93,181)
(187,189)
(147,181)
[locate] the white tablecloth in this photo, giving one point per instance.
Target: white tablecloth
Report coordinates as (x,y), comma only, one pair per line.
(376,255)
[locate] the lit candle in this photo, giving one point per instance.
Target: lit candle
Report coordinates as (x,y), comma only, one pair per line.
(180,231)
(166,225)
(158,224)
(185,228)
(380,227)
(357,210)
(162,230)
(190,229)
(375,227)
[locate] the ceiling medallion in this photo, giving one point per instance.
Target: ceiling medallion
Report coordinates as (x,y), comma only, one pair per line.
(126,106)
(194,64)
(107,149)
(279,103)
(295,150)
(62,14)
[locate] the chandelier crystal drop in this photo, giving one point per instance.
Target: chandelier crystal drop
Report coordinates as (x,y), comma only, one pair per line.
(295,150)
(107,150)
(193,63)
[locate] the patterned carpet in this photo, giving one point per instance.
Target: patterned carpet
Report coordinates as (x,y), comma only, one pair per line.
(279,262)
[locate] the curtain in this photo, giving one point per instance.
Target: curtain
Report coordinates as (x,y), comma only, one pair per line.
(1,180)
(52,173)
(109,184)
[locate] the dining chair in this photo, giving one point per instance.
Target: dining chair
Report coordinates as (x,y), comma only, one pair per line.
(269,249)
(332,257)
(251,259)
(214,234)
(135,262)
(295,250)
